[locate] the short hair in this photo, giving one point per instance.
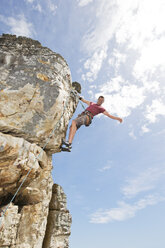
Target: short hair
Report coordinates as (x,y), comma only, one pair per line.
(101,96)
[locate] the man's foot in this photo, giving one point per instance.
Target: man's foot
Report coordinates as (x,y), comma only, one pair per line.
(67,144)
(65,149)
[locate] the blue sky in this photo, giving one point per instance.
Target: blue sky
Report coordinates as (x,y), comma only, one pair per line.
(114,178)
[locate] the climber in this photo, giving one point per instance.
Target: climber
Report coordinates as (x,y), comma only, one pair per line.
(85,118)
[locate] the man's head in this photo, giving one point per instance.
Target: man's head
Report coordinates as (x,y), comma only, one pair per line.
(100,100)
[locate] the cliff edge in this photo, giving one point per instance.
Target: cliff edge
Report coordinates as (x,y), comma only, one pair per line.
(37,100)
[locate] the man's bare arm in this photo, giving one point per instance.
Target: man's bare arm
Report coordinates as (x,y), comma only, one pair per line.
(112,117)
(85,101)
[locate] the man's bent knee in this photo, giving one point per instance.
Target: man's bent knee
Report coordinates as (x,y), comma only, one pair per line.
(74,124)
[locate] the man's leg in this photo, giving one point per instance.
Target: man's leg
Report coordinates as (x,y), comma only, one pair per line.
(76,123)
(73,129)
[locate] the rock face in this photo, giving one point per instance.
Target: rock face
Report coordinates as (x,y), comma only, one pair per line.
(35,85)
(36,103)
(59,221)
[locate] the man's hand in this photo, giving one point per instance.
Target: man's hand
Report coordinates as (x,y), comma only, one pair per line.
(119,119)
(83,100)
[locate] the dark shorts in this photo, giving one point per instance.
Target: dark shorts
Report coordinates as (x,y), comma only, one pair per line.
(81,120)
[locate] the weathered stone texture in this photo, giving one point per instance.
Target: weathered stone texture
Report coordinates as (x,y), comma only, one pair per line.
(17,157)
(35,84)
(59,221)
(24,222)
(35,97)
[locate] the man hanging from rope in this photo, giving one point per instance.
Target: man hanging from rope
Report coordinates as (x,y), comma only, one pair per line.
(85,118)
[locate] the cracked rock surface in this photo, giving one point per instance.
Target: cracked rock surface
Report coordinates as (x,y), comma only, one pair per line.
(59,221)
(35,84)
(35,96)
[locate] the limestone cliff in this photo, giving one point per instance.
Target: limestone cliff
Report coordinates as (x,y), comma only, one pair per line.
(35,98)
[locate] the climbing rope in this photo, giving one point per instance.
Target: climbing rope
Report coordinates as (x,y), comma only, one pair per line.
(66,103)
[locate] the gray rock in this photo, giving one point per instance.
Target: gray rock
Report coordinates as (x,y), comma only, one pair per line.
(37,100)
(35,91)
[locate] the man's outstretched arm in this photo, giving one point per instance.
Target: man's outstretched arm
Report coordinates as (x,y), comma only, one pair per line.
(112,117)
(85,101)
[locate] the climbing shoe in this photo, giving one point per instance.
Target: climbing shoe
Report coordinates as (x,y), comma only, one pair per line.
(65,149)
(67,144)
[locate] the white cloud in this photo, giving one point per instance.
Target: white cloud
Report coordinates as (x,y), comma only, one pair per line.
(117,58)
(108,166)
(134,34)
(157,108)
(92,86)
(115,85)
(104,25)
(38,7)
(93,65)
(121,96)
(145,129)
(19,25)
(95,42)
(138,42)
(30,1)
(91,94)
(146,181)
(83,3)
(152,86)
(162,132)
(138,30)
(131,134)
(151,61)
(136,25)
(124,211)
(35,7)
(52,6)
(105,168)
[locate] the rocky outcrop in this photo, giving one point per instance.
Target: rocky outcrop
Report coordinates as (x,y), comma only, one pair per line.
(59,221)
(37,100)
(35,84)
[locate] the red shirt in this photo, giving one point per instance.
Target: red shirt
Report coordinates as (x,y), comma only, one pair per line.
(95,109)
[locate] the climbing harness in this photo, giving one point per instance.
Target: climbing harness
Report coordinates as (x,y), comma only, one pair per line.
(4,211)
(90,115)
